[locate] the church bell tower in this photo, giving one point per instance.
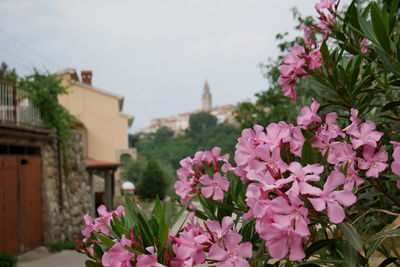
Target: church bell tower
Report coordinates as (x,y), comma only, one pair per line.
(207,99)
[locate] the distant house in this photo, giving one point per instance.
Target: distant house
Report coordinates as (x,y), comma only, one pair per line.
(104,127)
(180,123)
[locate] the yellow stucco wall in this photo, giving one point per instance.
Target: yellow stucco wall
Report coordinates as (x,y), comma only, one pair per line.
(106,128)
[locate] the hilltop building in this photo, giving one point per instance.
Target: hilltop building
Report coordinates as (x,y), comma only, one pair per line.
(180,122)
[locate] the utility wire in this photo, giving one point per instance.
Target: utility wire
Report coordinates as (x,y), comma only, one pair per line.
(30,48)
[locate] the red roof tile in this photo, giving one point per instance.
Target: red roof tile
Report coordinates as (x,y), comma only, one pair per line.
(93,163)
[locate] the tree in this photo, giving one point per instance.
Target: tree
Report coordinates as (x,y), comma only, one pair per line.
(7,74)
(153,182)
(162,134)
(201,121)
(132,170)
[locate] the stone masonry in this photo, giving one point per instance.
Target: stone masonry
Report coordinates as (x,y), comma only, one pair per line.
(61,219)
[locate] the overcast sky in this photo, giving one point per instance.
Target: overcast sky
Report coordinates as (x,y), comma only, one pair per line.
(156,53)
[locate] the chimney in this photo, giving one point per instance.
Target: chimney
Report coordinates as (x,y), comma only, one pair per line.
(86,76)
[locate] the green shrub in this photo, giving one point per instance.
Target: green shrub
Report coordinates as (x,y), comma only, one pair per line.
(57,247)
(7,260)
(153,182)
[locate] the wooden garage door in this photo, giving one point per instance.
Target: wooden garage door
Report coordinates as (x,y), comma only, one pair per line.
(20,203)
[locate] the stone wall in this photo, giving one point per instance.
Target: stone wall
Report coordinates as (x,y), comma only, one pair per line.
(61,219)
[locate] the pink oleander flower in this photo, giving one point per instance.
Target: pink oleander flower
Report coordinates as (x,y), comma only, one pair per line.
(341,152)
(87,232)
(244,154)
(352,178)
(395,166)
(186,168)
(257,201)
(148,260)
(282,238)
(189,245)
(184,189)
(118,256)
(277,133)
(315,59)
(219,230)
(333,200)
(307,35)
(396,160)
(300,177)
(325,4)
(292,70)
(365,135)
(309,115)
(265,180)
(193,169)
(373,162)
(214,187)
(326,133)
(233,253)
(297,141)
(364,46)
(291,212)
(105,218)
(266,160)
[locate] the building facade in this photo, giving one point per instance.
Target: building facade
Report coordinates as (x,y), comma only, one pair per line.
(104,130)
(43,196)
(180,123)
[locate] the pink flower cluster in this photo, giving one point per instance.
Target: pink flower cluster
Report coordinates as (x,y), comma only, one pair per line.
(119,256)
(278,189)
(99,224)
(204,174)
(396,160)
(213,242)
(301,59)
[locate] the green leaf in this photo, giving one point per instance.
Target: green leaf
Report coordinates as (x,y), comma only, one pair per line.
(105,240)
(325,54)
(380,27)
(390,106)
(385,234)
(352,236)
(391,65)
(315,246)
(98,251)
(388,261)
(145,231)
(308,265)
(130,211)
(208,210)
(307,134)
(137,252)
(350,255)
(90,263)
(168,212)
(367,29)
(178,215)
(163,235)
(157,212)
(200,214)
(307,154)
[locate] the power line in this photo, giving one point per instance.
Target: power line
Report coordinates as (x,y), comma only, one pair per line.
(30,48)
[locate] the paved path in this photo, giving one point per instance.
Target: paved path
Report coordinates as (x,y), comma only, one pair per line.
(66,258)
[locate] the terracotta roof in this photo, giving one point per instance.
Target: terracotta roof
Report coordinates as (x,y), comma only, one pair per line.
(93,164)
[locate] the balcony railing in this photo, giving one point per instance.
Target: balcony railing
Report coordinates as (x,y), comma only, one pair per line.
(16,108)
